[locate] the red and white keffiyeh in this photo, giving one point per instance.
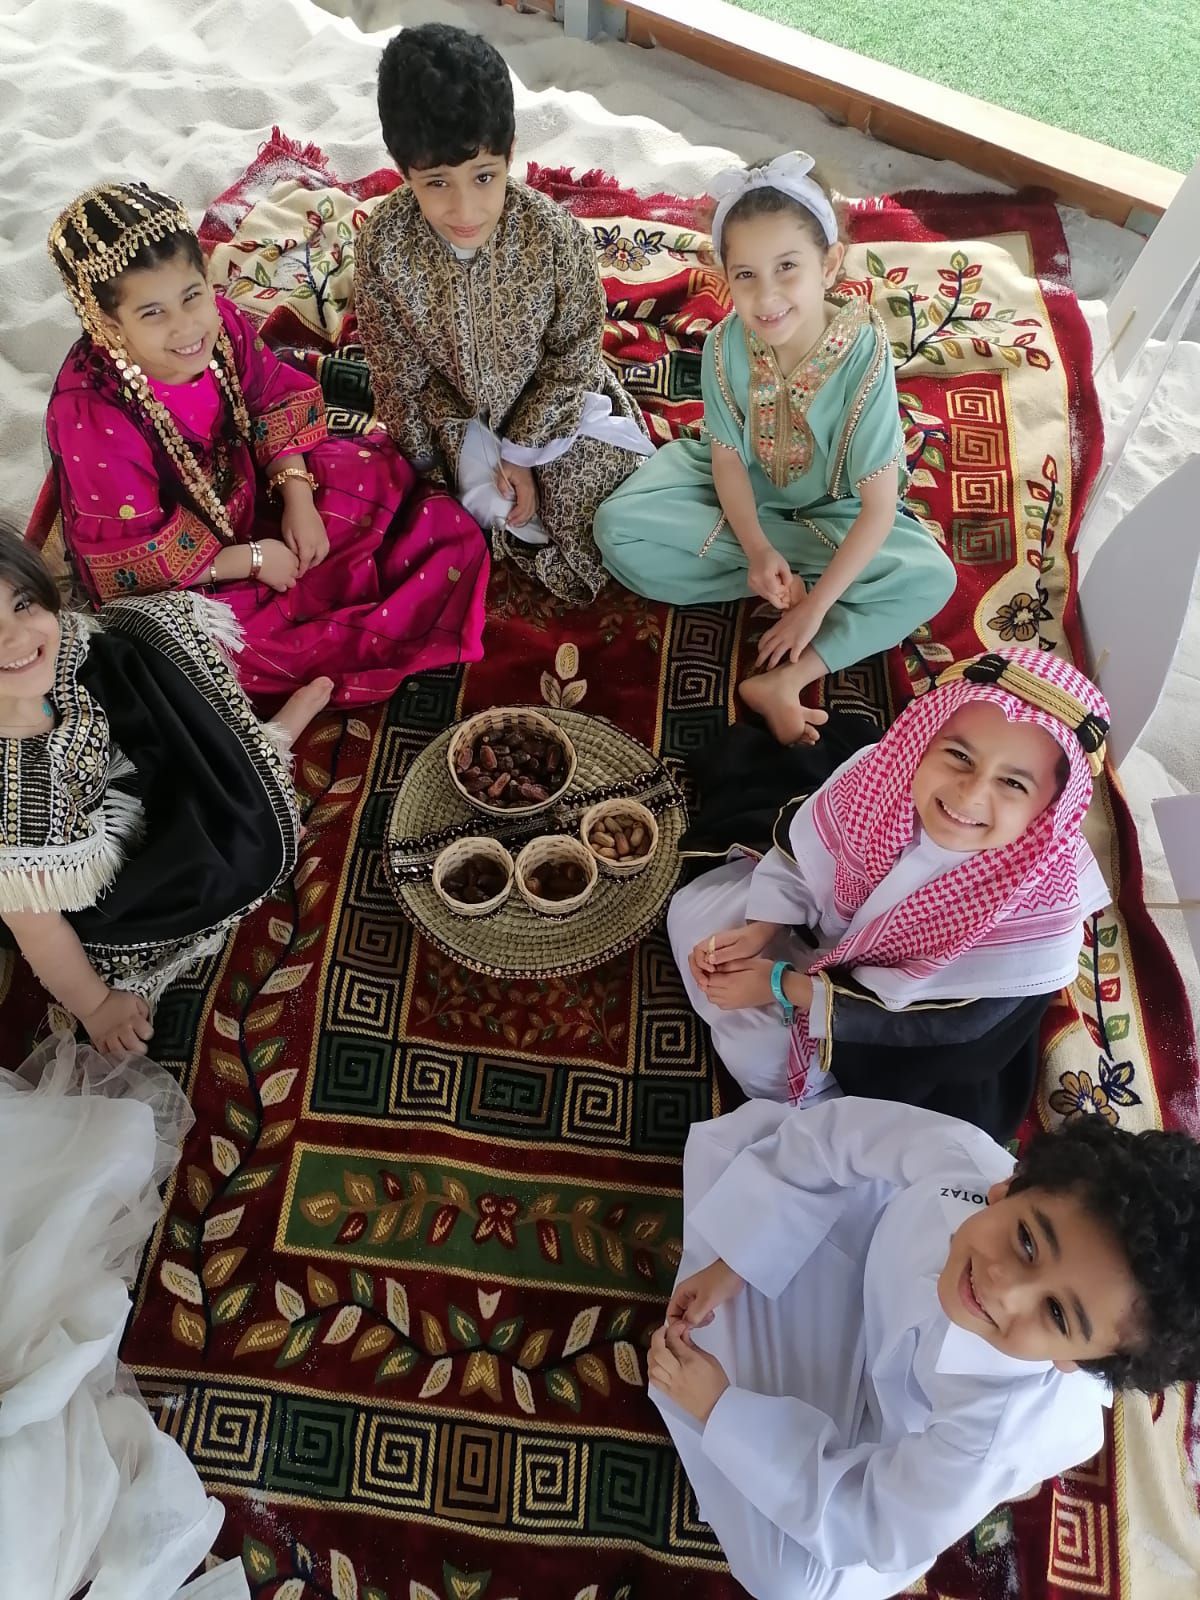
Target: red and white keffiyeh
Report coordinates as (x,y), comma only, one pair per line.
(1021,900)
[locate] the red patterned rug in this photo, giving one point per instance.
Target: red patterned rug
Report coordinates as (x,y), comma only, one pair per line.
(397,1310)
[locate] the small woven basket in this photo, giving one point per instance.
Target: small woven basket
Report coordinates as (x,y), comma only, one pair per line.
(508,720)
(555,849)
(614,811)
(456,855)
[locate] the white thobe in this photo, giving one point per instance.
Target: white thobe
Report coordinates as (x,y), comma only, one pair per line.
(862,1433)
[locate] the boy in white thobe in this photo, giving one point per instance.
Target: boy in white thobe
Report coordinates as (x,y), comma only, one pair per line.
(888,1342)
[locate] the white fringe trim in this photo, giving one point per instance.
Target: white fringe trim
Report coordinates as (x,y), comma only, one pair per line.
(217,620)
(281,742)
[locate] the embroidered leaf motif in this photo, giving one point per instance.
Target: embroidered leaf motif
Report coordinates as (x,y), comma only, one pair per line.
(219,1268)
(563,1388)
(293,1589)
(275,1132)
(344,1324)
(543,1205)
(286,979)
(199,1187)
(551,690)
(533,1351)
(626,1362)
(875,265)
(258,1561)
(182,1234)
(360,1188)
(321,1208)
(439,1377)
(248,1182)
(322,1291)
(231,1304)
(266,1054)
(397,1364)
(397,1305)
(487,1304)
(290,1302)
(523,1391)
(229,1070)
(505,1333)
(277,1087)
(353,1228)
(346,785)
(573,693)
(482,1372)
(225,1155)
(262,1336)
(372,1343)
(582,1330)
(566,661)
(183,1282)
(1117,1027)
(281,932)
(188,1327)
(548,1241)
(342,1576)
(463,1327)
(431,1331)
(225,1026)
(298,1343)
(620,1323)
(260,1020)
(362,1287)
(239,1120)
(358,729)
(442,1225)
(223,1226)
(591,1369)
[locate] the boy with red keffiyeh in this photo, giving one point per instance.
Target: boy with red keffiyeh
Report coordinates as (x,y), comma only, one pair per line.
(942,876)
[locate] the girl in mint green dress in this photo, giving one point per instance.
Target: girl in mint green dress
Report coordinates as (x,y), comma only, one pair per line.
(794,493)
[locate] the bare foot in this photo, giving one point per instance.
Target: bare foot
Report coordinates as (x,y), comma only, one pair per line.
(776,697)
(303,706)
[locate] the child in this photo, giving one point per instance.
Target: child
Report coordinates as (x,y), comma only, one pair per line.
(145,808)
(169,420)
(481,311)
(901,1332)
(945,879)
(793,495)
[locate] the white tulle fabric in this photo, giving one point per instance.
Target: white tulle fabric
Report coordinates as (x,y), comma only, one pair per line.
(91,1493)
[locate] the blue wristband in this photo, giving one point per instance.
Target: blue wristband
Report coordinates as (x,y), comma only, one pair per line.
(777,972)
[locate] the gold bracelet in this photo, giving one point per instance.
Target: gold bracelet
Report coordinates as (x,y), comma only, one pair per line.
(275,485)
(255,558)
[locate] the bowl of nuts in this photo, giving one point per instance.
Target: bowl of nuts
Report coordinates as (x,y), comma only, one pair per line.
(621,834)
(556,875)
(510,761)
(473,877)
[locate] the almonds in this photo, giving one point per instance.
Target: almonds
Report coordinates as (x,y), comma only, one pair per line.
(620,837)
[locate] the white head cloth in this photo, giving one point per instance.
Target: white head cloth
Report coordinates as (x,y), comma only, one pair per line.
(787,173)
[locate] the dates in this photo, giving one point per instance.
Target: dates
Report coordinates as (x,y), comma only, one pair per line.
(557,880)
(511,769)
(475,881)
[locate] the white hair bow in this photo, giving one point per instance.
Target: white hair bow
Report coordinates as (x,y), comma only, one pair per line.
(789,173)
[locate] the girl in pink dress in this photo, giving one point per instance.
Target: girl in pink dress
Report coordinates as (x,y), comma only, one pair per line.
(187,455)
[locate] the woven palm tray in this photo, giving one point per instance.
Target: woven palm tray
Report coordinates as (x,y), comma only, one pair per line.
(429,814)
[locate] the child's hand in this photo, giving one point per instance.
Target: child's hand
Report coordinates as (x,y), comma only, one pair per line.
(692,1378)
(787,639)
(741,984)
(279,566)
(770,577)
(731,944)
(121,1022)
(696,1299)
(304,534)
(517,483)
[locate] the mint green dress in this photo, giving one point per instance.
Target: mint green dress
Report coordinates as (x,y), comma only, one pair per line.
(809,441)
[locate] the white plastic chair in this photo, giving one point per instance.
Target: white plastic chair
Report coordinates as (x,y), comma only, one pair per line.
(1134,598)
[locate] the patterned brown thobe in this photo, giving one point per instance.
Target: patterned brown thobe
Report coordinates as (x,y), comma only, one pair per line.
(512,337)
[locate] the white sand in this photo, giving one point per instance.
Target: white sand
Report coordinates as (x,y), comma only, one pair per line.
(181,92)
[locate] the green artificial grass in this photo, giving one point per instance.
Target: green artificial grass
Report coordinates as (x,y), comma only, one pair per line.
(1126,74)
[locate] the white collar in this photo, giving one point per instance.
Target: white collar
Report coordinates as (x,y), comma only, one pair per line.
(964,1354)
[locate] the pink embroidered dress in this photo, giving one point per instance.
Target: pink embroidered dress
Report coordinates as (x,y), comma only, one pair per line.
(401,590)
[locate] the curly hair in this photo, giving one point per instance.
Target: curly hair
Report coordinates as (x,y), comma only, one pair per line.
(1145,1189)
(445,96)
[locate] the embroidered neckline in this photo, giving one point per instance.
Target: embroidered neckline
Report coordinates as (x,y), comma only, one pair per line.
(779,432)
